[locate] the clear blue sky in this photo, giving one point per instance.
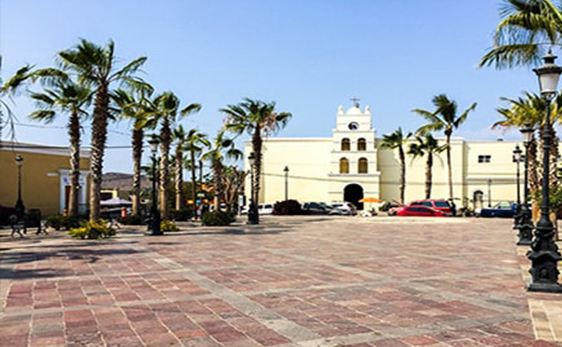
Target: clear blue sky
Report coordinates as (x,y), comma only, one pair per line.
(308,56)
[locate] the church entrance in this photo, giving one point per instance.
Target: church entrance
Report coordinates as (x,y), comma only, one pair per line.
(353,193)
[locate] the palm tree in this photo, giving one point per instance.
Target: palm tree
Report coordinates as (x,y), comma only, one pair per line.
(132,106)
(444,118)
(94,66)
(221,148)
(164,110)
(528,29)
(426,145)
(258,119)
(195,142)
(531,108)
(397,140)
(12,85)
(72,98)
(180,137)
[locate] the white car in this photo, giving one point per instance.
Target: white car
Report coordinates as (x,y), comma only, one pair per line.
(266,208)
(343,208)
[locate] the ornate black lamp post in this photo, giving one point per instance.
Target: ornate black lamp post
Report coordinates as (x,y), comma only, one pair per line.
(517,215)
(544,253)
(20,207)
(286,171)
(154,226)
(525,221)
(253,216)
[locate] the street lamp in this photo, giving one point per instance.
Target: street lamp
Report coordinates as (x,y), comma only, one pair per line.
(525,221)
(154,226)
(489,192)
(286,171)
(20,207)
(253,216)
(544,253)
(517,215)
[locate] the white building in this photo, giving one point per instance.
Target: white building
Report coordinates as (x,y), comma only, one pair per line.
(350,165)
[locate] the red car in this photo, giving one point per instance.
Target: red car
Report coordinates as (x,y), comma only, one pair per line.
(436,204)
(419,210)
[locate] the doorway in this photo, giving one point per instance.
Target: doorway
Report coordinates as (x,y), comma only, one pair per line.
(353,193)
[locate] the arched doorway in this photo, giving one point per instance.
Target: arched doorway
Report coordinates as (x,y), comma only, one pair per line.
(353,193)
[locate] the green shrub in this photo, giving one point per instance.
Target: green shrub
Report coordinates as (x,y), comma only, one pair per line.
(182,215)
(287,207)
(93,230)
(54,221)
(167,225)
(218,218)
(132,220)
(59,222)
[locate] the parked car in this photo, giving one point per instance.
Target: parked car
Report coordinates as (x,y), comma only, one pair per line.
(436,204)
(315,208)
(266,208)
(343,209)
(504,209)
(419,210)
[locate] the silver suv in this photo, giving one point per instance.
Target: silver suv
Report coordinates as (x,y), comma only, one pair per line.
(343,208)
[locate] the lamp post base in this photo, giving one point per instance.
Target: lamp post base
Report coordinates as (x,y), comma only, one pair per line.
(525,228)
(544,287)
(544,272)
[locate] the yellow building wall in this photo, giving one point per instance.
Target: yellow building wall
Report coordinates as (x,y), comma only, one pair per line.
(308,161)
(40,179)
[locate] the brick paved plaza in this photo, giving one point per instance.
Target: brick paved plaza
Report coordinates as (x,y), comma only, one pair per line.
(294,281)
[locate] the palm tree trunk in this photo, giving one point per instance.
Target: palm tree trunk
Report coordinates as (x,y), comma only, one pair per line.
(402,174)
(138,135)
(165,138)
(74,133)
(428,178)
(449,167)
(180,203)
(217,176)
(99,138)
(256,146)
(193,182)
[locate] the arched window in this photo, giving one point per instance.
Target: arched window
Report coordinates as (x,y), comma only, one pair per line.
(344,166)
(363,166)
(345,144)
(361,144)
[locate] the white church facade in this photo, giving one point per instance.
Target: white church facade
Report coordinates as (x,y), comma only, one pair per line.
(351,165)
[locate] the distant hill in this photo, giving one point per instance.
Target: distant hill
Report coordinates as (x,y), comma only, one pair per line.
(121,181)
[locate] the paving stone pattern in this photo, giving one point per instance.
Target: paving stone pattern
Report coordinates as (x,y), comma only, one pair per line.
(294,281)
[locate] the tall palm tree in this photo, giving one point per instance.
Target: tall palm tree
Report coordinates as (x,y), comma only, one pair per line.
(221,148)
(180,137)
(444,118)
(95,67)
(527,30)
(195,143)
(397,140)
(164,110)
(71,98)
(426,145)
(259,120)
(132,105)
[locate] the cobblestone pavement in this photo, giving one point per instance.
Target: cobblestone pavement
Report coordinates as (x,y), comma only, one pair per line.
(294,281)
